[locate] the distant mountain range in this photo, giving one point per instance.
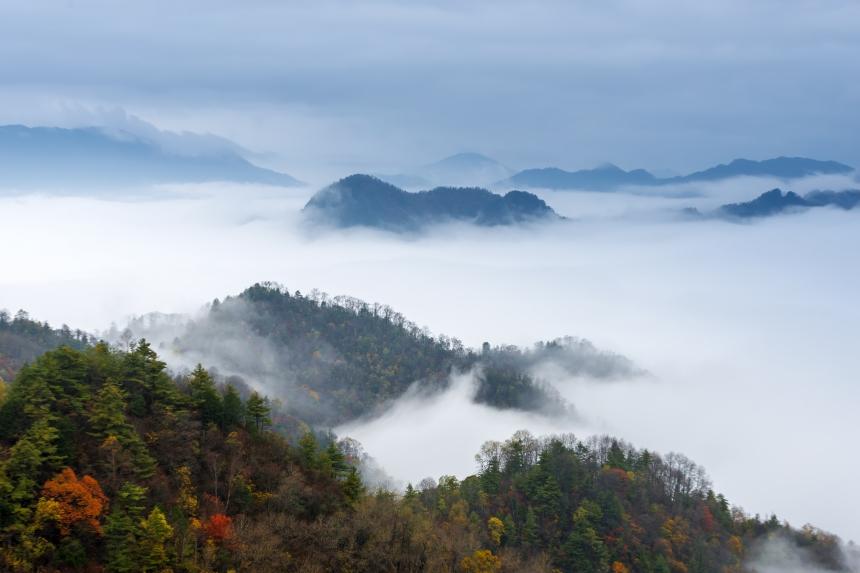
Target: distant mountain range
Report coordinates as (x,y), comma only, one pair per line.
(610,177)
(602,178)
(463,169)
(364,200)
(95,157)
(775,201)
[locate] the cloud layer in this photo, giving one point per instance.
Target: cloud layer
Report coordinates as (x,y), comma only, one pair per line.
(748,331)
(339,86)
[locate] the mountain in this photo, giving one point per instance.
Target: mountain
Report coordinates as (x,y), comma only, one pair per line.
(769,203)
(110,463)
(775,201)
(335,360)
(602,178)
(610,177)
(465,170)
(23,339)
(779,167)
(363,200)
(460,170)
(94,157)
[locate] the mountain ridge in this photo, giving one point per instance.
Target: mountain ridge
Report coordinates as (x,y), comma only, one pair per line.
(99,157)
(610,177)
(361,200)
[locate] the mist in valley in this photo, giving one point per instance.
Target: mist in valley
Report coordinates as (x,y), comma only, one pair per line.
(745,334)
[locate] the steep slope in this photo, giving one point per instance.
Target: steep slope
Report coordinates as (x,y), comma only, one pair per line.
(106,463)
(363,200)
(56,158)
(333,360)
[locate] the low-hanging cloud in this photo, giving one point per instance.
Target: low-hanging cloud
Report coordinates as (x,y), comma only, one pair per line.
(747,332)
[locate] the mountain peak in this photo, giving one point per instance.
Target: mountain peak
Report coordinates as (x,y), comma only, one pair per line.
(366,201)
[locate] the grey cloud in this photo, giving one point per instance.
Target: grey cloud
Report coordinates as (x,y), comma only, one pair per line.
(657,84)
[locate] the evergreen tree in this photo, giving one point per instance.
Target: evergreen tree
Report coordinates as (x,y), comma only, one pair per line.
(257,412)
(123,530)
(352,487)
(122,446)
(205,396)
(336,460)
(233,409)
(155,532)
(308,450)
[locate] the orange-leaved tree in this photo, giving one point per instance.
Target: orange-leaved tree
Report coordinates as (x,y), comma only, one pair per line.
(219,527)
(80,500)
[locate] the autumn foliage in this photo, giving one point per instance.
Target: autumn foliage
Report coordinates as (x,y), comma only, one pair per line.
(219,527)
(80,500)
(481,561)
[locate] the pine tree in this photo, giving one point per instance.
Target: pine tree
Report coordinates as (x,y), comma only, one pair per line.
(123,530)
(233,409)
(155,532)
(257,411)
(205,396)
(121,443)
(336,460)
(352,487)
(308,450)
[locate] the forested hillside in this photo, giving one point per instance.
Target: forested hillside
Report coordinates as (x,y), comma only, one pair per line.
(335,359)
(109,464)
(23,339)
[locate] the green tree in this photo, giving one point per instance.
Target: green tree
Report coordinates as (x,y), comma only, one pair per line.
(308,450)
(155,532)
(122,448)
(352,487)
(233,409)
(336,460)
(123,530)
(205,396)
(257,412)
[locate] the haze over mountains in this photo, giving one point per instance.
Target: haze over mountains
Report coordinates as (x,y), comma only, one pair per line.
(775,202)
(365,201)
(96,157)
(462,169)
(609,177)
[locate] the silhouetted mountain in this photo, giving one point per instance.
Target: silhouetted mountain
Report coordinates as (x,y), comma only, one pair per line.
(769,203)
(774,202)
(363,200)
(780,167)
(602,178)
(610,177)
(842,199)
(93,157)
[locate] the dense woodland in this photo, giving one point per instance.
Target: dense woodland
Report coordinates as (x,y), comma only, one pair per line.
(333,359)
(23,339)
(107,463)
(110,462)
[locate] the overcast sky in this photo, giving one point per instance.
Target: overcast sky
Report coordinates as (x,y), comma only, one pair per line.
(331,87)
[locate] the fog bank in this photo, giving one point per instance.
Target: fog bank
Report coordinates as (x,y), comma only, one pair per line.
(749,332)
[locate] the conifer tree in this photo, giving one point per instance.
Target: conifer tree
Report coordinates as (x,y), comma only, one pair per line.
(257,412)
(205,396)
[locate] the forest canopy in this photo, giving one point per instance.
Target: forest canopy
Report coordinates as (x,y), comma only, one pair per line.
(107,462)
